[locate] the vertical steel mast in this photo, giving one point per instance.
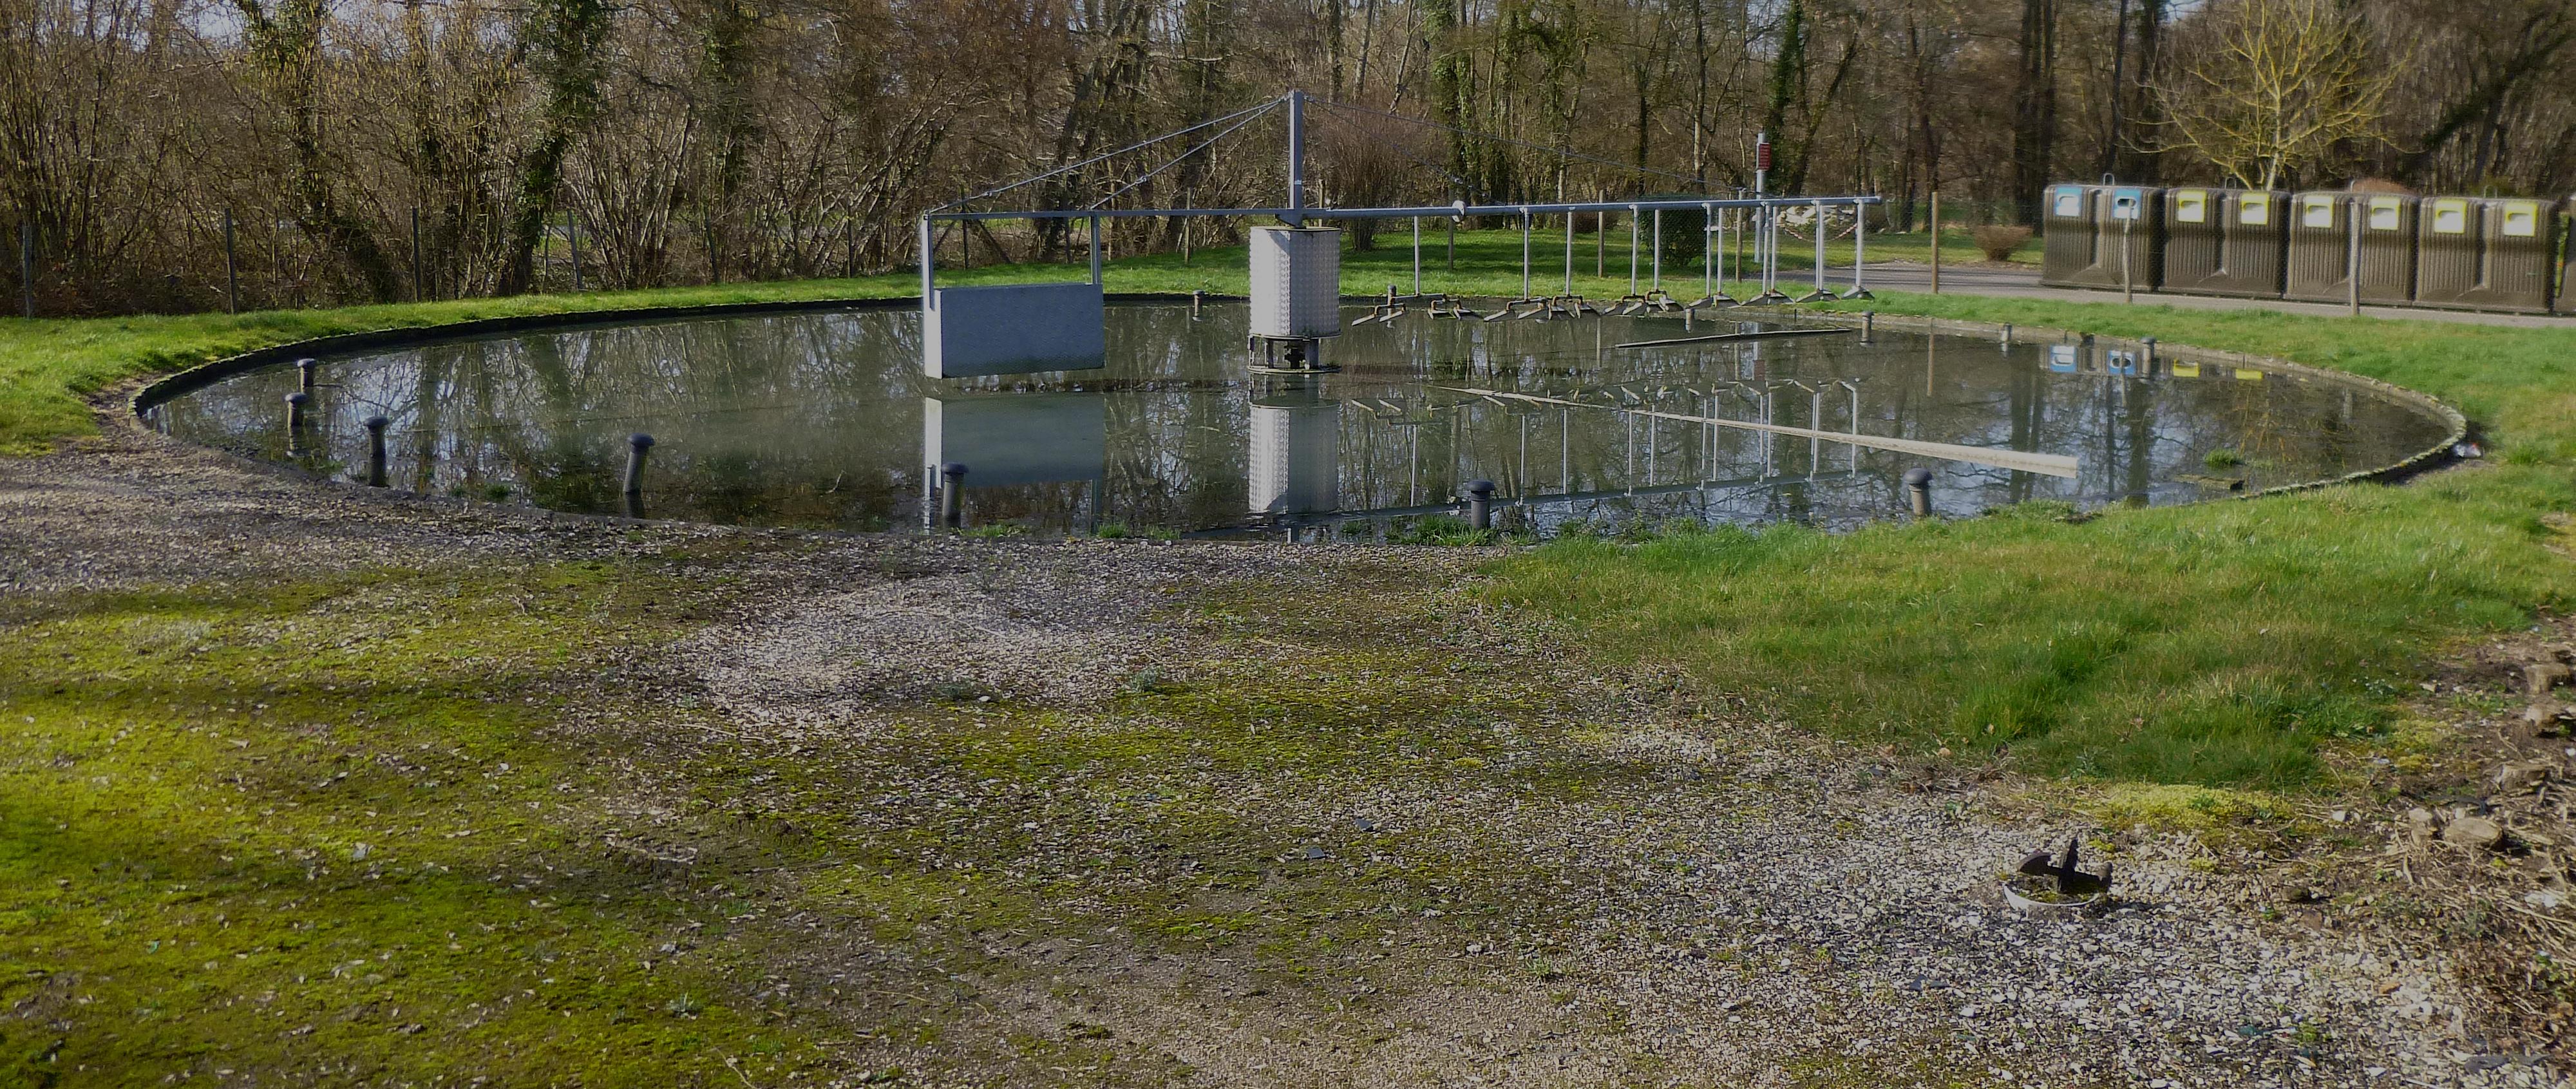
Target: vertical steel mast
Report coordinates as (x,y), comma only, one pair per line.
(1296,159)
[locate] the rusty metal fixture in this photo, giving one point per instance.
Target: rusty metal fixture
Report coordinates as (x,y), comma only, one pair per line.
(2070,880)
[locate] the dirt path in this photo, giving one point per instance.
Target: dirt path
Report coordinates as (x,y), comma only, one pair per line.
(1122,813)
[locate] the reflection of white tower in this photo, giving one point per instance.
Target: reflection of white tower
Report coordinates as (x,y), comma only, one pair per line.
(1296,450)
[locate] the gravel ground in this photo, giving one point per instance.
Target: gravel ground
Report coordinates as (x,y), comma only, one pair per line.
(1723,901)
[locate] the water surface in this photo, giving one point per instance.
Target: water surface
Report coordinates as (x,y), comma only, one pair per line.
(825,420)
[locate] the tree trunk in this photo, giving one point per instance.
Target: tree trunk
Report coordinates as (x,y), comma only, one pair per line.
(2034,107)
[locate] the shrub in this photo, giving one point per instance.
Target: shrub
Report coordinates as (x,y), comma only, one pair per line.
(1998,241)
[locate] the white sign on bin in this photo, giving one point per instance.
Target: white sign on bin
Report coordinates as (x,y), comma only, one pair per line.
(1014,329)
(1297,282)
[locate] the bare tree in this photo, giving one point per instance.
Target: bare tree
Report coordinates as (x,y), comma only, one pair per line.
(2277,85)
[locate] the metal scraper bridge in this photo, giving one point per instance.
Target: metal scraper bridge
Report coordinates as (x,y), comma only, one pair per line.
(1756,218)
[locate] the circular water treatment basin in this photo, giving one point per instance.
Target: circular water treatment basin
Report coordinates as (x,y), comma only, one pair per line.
(825,420)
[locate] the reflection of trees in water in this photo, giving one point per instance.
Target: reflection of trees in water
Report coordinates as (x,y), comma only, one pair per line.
(817,419)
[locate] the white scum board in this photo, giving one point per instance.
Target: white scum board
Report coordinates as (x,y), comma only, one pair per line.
(2056,465)
(969,332)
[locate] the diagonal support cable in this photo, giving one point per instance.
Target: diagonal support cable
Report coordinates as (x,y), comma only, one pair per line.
(1035,178)
(1176,159)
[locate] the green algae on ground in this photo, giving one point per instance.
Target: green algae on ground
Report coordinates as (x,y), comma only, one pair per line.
(337,818)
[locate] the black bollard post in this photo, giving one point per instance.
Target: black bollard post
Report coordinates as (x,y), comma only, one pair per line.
(1196,297)
(376,451)
(304,369)
(2007,341)
(952,498)
(295,403)
(1918,490)
(1480,504)
(1868,324)
(637,445)
(2150,344)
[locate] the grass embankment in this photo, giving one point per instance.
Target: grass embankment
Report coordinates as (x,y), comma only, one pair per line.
(2215,644)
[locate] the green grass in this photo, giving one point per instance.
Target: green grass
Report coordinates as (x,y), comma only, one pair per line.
(2220,644)
(2223,645)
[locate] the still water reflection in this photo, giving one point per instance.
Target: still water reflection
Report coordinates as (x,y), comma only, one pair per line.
(824,420)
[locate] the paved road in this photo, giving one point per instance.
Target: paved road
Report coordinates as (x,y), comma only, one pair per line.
(1985,279)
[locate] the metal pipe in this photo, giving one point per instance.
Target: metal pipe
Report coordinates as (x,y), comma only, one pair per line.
(1860,253)
(1868,324)
(295,420)
(1095,251)
(637,446)
(1296,159)
(304,373)
(376,450)
(2352,262)
(1936,247)
(1459,209)
(1820,291)
(1525,253)
(1632,249)
(1569,255)
(1417,255)
(925,266)
(1918,490)
(1480,504)
(952,502)
(1658,259)
(1710,239)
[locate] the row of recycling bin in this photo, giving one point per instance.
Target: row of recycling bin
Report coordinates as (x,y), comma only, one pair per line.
(2478,253)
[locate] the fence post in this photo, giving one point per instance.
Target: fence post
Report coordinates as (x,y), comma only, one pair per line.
(1936,241)
(27,266)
